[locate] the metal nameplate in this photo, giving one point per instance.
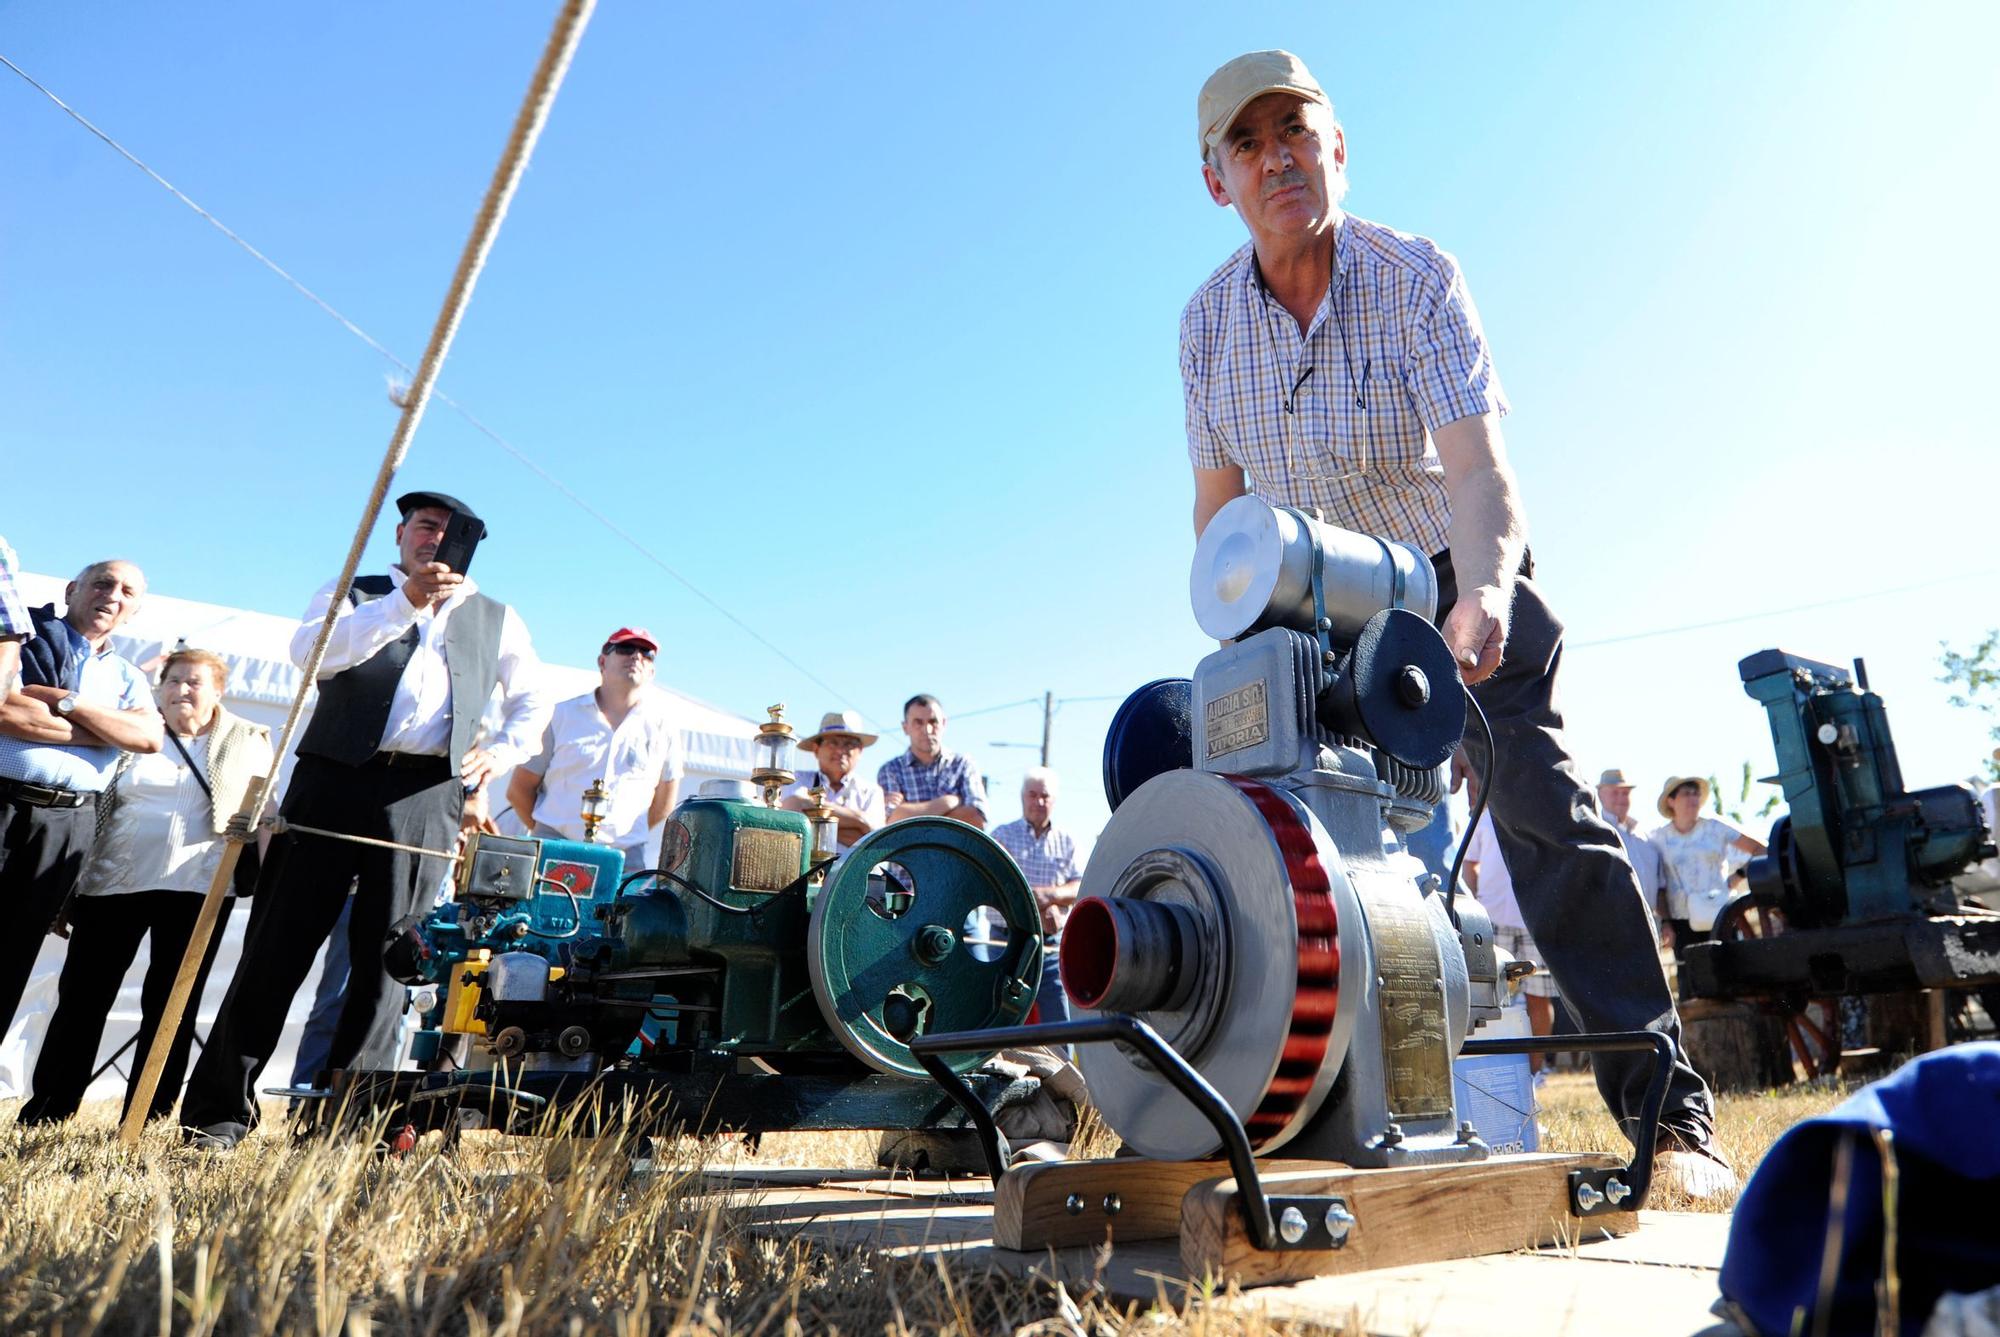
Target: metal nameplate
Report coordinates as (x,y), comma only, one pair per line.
(1416,1057)
(1236,720)
(766,860)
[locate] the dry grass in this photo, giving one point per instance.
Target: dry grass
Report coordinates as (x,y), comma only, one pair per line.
(1746,1124)
(526,1236)
(502,1236)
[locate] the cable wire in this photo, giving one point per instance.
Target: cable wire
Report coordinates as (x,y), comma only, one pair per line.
(389,356)
(1478,811)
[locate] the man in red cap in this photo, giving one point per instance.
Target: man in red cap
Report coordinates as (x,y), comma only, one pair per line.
(623,733)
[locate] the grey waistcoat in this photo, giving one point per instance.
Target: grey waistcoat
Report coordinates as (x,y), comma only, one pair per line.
(354,703)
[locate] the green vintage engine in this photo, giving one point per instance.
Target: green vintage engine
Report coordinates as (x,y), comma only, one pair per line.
(750,982)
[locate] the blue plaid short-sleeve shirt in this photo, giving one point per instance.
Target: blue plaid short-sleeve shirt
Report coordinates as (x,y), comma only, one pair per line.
(1340,417)
(952,773)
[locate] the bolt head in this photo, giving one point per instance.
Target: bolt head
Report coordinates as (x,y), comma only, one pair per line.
(1616,1191)
(1113,1204)
(1413,689)
(1339,1222)
(1291,1225)
(1588,1198)
(1073,1204)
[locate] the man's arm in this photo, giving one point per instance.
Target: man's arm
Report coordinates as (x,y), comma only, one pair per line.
(357,632)
(930,807)
(665,795)
(134,730)
(1489,533)
(525,706)
(522,789)
(1214,489)
(29,719)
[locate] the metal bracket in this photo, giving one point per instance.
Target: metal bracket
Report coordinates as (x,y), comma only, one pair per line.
(1599,1192)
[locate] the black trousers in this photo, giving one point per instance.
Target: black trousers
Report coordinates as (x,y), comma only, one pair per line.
(105,933)
(304,884)
(1577,891)
(42,851)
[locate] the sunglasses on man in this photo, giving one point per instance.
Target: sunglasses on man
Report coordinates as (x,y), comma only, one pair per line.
(639,648)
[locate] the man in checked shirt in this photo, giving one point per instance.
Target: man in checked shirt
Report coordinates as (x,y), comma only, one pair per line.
(1335,363)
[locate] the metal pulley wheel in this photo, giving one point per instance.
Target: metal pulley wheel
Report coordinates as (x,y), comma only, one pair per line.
(1215,909)
(926,926)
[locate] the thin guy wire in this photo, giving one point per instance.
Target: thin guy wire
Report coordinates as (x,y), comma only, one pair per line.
(389,356)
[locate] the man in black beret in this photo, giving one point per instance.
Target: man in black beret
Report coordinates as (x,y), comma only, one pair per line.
(389,754)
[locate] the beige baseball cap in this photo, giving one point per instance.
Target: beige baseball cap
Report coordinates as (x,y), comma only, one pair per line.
(1248,77)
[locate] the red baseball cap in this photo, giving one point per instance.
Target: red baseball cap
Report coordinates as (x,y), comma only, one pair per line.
(633,634)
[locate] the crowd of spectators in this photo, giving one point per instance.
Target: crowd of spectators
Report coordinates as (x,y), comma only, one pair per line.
(118,800)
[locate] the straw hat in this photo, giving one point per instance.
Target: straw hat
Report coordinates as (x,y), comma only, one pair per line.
(1675,782)
(839,721)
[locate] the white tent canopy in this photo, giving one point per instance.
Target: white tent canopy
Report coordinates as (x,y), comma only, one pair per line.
(262,682)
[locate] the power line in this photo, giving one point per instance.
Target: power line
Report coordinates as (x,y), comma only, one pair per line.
(1780,612)
(463,412)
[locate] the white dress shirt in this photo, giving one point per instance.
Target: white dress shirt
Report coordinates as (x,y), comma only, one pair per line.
(420,712)
(633,760)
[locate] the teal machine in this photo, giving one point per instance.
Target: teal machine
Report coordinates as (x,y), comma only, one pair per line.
(1857,894)
(751,982)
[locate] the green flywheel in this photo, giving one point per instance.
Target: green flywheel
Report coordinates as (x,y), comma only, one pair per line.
(927,926)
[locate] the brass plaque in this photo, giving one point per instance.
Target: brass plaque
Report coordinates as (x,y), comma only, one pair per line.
(1416,1058)
(766,860)
(1238,719)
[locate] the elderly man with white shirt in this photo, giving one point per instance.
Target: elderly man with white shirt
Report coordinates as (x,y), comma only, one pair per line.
(412,660)
(622,733)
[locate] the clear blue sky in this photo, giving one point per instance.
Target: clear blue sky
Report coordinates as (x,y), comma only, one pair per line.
(864,317)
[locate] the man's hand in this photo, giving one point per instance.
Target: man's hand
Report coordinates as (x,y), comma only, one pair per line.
(431,584)
(33,720)
(893,799)
(478,767)
(241,828)
(1476,630)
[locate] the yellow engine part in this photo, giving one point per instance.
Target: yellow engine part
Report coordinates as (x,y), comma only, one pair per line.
(461,1000)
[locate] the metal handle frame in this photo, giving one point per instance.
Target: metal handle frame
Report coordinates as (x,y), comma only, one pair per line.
(1591,1192)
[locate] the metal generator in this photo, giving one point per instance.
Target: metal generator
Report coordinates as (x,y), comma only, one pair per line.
(1856,894)
(1258,962)
(751,983)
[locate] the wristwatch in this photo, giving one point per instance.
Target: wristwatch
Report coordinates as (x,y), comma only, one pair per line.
(66,705)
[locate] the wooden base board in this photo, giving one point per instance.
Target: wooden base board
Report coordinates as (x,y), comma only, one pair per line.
(1031,1203)
(1418,1214)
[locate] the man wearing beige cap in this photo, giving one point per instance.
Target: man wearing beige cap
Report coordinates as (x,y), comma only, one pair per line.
(1336,363)
(857,802)
(1614,798)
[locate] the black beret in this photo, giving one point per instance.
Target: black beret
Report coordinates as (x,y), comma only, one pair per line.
(411,501)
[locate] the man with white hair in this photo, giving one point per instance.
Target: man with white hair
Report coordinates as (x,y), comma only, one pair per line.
(1047,856)
(70,710)
(1338,364)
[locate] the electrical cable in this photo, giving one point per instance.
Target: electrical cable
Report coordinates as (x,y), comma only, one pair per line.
(575,910)
(389,356)
(1478,811)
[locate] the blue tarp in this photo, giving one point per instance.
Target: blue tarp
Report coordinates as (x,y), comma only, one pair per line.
(1943,1111)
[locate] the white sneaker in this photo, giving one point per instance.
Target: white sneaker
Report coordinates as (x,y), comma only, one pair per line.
(1698,1172)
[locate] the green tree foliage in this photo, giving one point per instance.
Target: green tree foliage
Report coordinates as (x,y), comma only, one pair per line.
(1975,677)
(1737,803)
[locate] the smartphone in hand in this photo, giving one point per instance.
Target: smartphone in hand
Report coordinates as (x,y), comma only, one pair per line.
(461,539)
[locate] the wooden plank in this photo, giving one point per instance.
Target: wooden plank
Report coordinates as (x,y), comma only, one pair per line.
(1031,1212)
(1413,1214)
